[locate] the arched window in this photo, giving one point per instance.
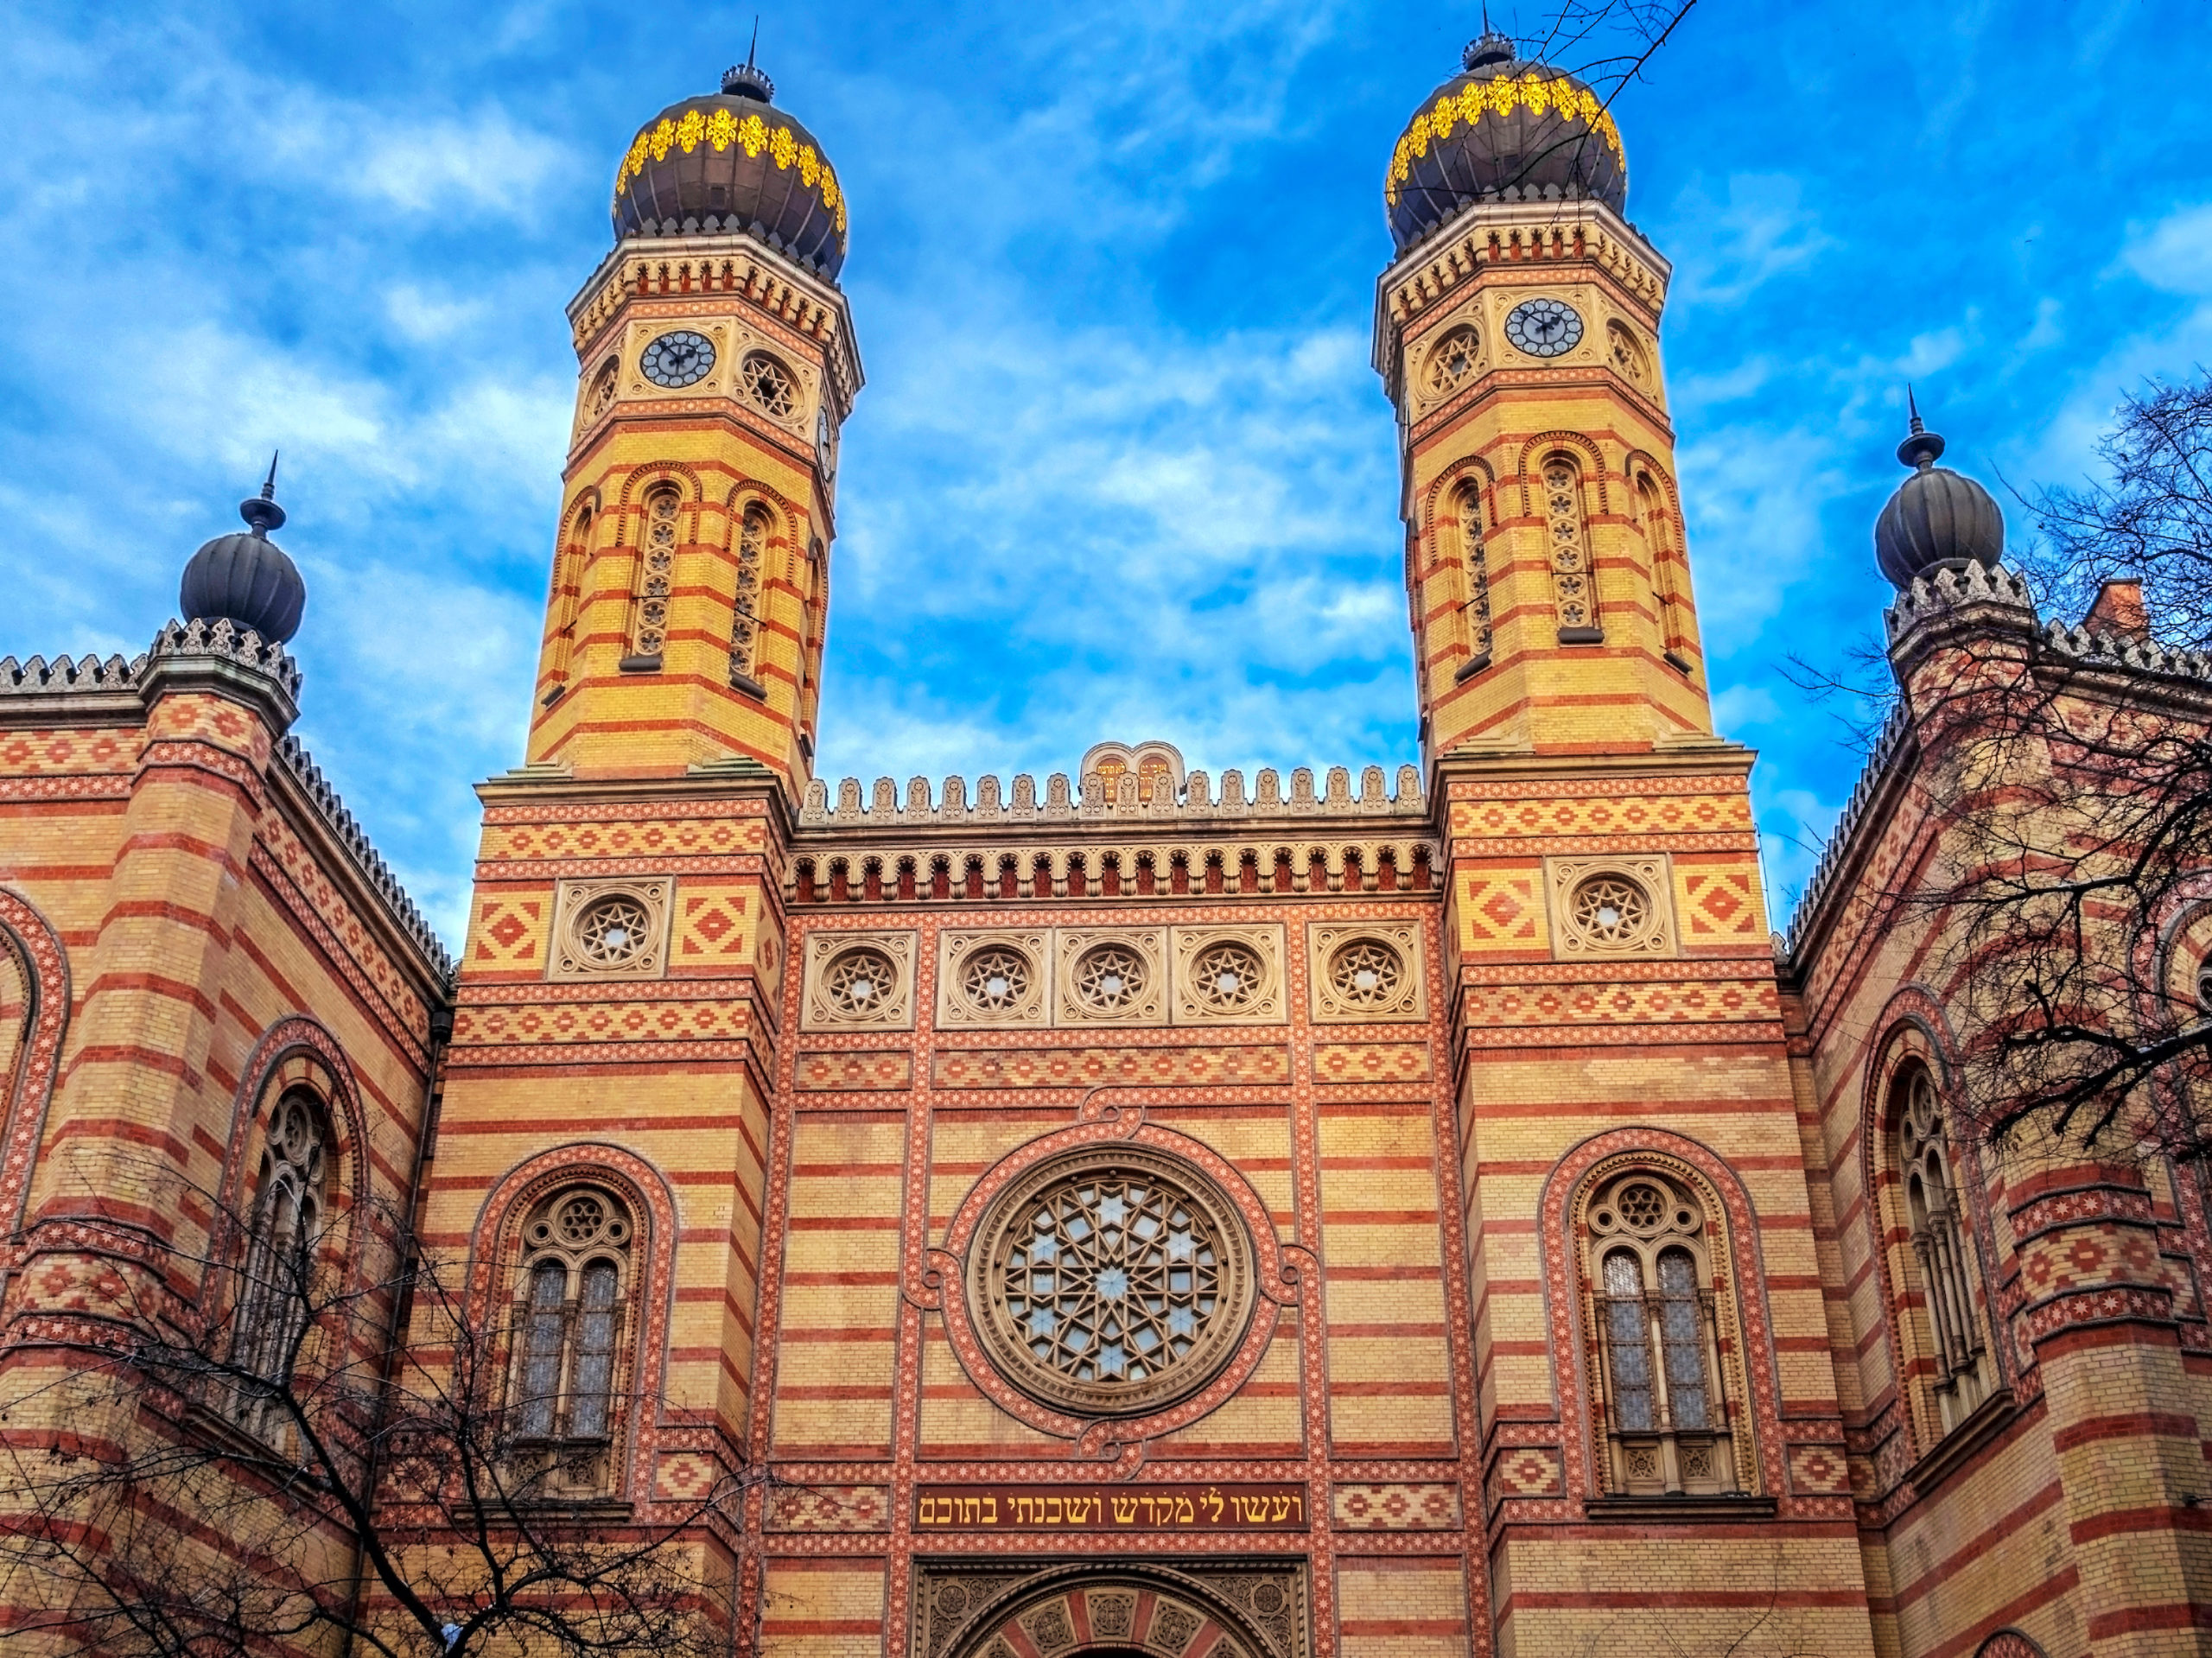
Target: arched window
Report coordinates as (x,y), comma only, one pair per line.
(286,1224)
(1658,1339)
(1469,512)
(1667,570)
(1943,1259)
(745,622)
(656,579)
(1574,591)
(568,593)
(568,1317)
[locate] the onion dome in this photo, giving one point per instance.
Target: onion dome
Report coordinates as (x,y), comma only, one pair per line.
(732,163)
(1507,127)
(246,578)
(1938,519)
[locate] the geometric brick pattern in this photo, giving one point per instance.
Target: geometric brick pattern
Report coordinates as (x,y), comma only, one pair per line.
(1394,1508)
(1550,812)
(965,1068)
(1371,1062)
(828,1508)
(1721,904)
(819,1073)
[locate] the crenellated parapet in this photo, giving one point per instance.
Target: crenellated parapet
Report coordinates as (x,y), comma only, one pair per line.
(1125,800)
(291,753)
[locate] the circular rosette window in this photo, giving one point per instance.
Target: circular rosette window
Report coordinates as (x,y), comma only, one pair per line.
(1111,1281)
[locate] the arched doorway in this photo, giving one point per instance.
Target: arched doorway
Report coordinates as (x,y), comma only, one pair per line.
(1114,1610)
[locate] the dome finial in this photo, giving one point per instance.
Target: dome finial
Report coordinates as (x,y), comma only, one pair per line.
(1489,48)
(745,80)
(1922,448)
(261,511)
(1938,519)
(247,579)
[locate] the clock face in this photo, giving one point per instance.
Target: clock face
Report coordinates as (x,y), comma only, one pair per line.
(678,359)
(1544,327)
(825,443)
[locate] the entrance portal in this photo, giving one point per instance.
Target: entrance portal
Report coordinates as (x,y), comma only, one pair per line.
(1110,1609)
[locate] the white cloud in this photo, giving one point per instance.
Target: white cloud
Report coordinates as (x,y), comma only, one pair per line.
(2176,253)
(1763,230)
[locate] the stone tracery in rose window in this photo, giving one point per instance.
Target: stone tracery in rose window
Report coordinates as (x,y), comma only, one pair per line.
(1452,362)
(1111,1283)
(768,384)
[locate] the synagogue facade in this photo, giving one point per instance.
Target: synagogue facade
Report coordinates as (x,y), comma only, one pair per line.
(1146,1210)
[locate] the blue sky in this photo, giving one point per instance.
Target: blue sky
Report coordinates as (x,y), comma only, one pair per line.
(1121,469)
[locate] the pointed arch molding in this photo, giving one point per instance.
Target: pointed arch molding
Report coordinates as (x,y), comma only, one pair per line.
(1914,1024)
(495,1250)
(1226,1610)
(299,1049)
(44,965)
(1580,1419)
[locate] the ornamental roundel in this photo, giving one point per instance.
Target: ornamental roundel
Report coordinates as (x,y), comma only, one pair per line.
(1116,977)
(611,929)
(993,979)
(1111,1280)
(1453,362)
(1366,972)
(858,981)
(768,384)
(1617,906)
(1228,976)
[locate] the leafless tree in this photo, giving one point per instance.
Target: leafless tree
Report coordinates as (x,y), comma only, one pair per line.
(216,1450)
(2065,772)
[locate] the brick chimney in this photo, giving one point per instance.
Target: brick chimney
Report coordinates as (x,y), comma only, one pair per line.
(2119,610)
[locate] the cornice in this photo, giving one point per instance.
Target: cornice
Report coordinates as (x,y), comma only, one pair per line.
(557,784)
(1702,758)
(1513,235)
(735,266)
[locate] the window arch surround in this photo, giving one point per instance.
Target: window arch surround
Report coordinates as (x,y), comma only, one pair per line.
(42,969)
(1747,1362)
(500,1252)
(571,572)
(1659,1331)
(299,1057)
(1913,1066)
(1659,515)
(659,525)
(1462,507)
(1564,485)
(1917,1030)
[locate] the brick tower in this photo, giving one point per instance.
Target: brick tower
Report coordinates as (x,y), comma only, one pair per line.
(1621,1082)
(715,367)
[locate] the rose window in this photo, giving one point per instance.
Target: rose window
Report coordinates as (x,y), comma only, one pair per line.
(995,981)
(768,383)
(613,932)
(1367,973)
(1111,1284)
(1109,978)
(582,1218)
(860,983)
(1611,911)
(1453,361)
(1227,978)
